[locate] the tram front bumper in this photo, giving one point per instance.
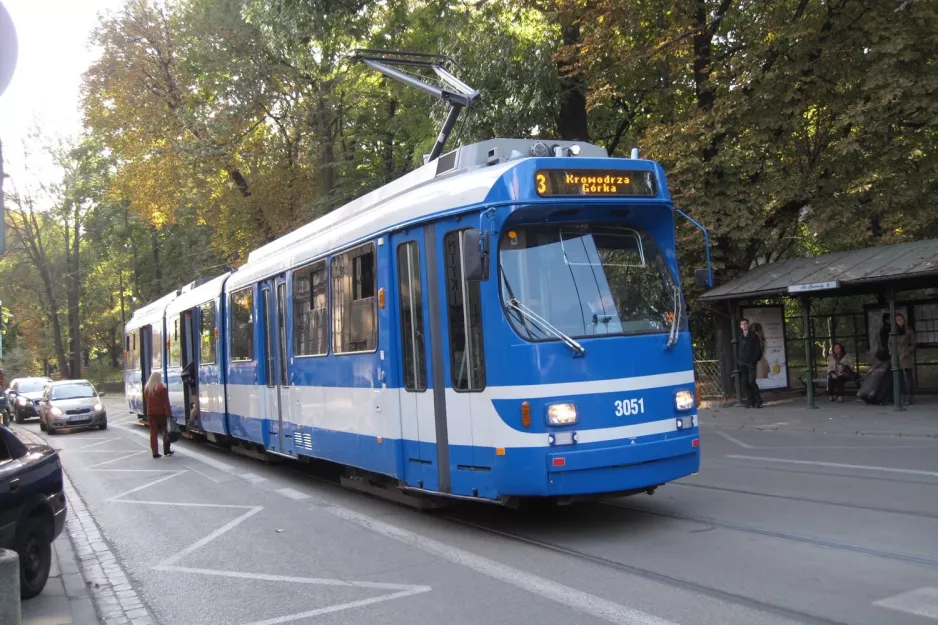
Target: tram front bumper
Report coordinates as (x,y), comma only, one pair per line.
(623,466)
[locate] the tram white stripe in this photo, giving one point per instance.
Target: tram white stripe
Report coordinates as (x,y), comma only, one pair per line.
(570,597)
(865,467)
(617,385)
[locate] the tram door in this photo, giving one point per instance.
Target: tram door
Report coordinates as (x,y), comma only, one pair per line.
(418,427)
(463,362)
(276,372)
(190,333)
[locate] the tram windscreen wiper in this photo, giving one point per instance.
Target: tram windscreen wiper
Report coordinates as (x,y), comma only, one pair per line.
(676,317)
(546,325)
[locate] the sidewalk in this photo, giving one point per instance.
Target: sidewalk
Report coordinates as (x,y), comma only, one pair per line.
(87,585)
(793,415)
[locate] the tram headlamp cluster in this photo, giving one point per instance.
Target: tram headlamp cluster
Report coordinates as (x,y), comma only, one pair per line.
(561,414)
(684,400)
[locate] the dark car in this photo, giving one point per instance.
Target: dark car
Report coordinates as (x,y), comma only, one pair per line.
(24,396)
(32,507)
(71,404)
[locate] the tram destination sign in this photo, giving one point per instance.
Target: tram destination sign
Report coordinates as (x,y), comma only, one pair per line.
(594,182)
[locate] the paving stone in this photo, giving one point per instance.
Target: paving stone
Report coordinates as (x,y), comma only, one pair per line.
(132,614)
(116,621)
(143,621)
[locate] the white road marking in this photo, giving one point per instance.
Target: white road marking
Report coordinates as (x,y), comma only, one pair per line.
(336,608)
(101,442)
(315,581)
(101,464)
(733,440)
(295,495)
(207,539)
(117,498)
(565,595)
(401,590)
(921,602)
(253,478)
(864,467)
(221,466)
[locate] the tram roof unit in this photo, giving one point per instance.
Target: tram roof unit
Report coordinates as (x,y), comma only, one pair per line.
(192,296)
(462,177)
(150,313)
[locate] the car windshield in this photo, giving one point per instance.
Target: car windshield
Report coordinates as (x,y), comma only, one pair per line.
(31,386)
(585,280)
(72,391)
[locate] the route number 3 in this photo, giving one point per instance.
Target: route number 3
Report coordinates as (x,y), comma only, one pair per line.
(628,407)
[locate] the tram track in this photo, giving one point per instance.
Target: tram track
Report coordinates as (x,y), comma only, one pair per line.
(839,504)
(809,540)
(685,584)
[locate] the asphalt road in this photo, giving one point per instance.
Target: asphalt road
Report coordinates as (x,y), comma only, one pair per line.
(777,528)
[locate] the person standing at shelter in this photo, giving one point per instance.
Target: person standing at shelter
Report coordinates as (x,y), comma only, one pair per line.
(839,371)
(906,340)
(156,397)
(748,355)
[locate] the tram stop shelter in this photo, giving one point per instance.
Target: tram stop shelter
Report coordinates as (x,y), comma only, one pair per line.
(881,271)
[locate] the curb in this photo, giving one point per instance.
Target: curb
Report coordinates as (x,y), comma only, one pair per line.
(820,430)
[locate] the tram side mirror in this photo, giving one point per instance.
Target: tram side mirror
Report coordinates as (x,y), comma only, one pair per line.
(702,277)
(475,255)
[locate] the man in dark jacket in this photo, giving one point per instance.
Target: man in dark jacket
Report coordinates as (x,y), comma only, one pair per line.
(749,353)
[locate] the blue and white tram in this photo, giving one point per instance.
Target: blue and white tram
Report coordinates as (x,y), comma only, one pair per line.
(492,325)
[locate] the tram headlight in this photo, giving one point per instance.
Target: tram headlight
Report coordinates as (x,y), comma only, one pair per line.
(561,414)
(684,400)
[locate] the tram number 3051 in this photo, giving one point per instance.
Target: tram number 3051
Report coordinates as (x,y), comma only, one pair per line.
(628,407)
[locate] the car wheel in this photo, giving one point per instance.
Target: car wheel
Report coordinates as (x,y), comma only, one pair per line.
(17,417)
(103,426)
(35,553)
(42,424)
(50,430)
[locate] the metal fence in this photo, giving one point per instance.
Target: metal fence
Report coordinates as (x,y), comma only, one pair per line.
(709,380)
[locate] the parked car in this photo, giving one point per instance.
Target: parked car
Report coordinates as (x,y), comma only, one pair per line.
(71,404)
(24,396)
(32,507)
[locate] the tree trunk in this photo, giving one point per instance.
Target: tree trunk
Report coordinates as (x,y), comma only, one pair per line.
(73,286)
(572,121)
(155,244)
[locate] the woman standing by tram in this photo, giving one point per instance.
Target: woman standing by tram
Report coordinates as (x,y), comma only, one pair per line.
(156,398)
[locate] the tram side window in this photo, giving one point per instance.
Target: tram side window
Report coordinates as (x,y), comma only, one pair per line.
(207,333)
(128,357)
(242,325)
(467,359)
(354,318)
(310,312)
(134,353)
(412,336)
(156,341)
(174,358)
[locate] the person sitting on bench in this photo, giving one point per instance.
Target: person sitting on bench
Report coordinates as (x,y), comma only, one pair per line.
(839,372)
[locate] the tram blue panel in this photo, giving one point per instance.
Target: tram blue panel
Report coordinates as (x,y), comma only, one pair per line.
(248,429)
(357,450)
(611,478)
(213,422)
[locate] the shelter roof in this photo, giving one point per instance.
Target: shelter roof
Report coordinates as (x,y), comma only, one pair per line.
(903,266)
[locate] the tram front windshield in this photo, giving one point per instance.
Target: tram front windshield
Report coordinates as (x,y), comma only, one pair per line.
(584,280)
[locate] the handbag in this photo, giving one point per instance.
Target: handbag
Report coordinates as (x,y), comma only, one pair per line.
(172,430)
